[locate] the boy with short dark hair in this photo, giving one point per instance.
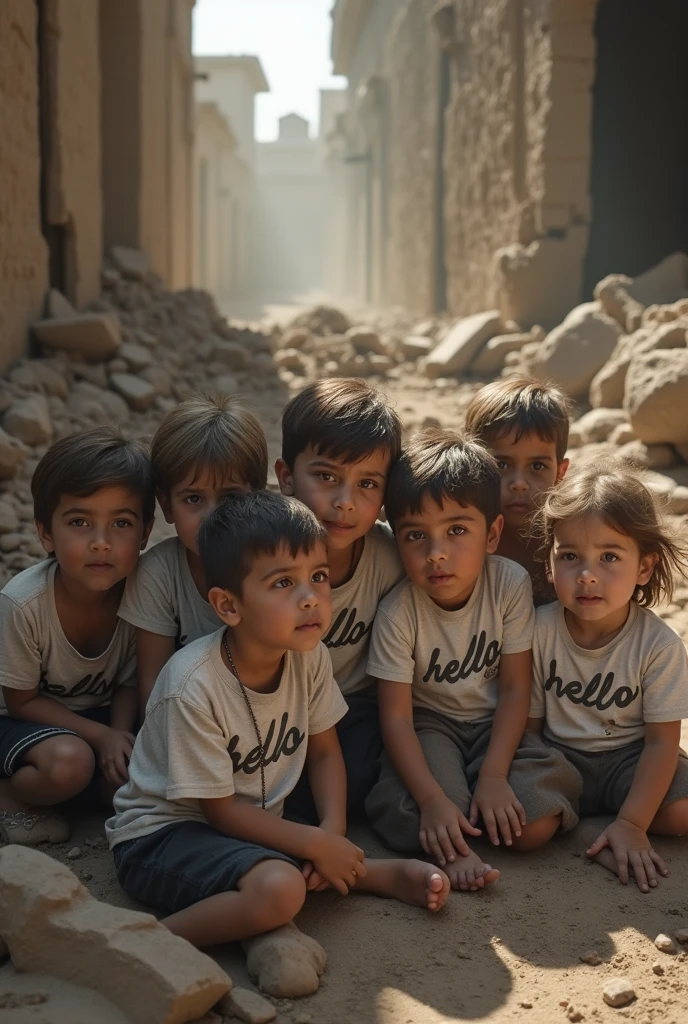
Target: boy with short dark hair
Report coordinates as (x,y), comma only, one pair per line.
(67,662)
(525,424)
(339,440)
(198,830)
(451,649)
(208,447)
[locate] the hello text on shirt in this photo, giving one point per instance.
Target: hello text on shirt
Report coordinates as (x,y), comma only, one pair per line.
(345,631)
(597,693)
(479,656)
(92,685)
(284,744)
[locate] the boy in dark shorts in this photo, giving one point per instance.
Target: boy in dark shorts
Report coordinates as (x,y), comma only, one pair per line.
(67,662)
(198,830)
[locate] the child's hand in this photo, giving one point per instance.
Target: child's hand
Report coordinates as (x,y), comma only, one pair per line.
(495,801)
(632,851)
(314,881)
(114,750)
(441,830)
(338,861)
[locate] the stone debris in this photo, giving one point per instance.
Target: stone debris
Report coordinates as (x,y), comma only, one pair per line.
(91,335)
(136,357)
(247,1006)
(322,321)
(29,420)
(657,968)
(136,392)
(682,935)
(463,342)
(613,295)
(573,1014)
(592,958)
(58,306)
(573,353)
(285,963)
(490,359)
(618,992)
(74,853)
(365,340)
(665,944)
(415,346)
(131,263)
(52,925)
(655,396)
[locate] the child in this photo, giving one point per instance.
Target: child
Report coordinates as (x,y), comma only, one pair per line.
(339,441)
(525,424)
(206,448)
(67,667)
(610,678)
(198,830)
(451,651)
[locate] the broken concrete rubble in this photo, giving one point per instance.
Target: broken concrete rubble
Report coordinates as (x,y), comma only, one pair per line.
(456,352)
(91,335)
(136,392)
(29,420)
(53,925)
(575,351)
(131,263)
(613,295)
(656,396)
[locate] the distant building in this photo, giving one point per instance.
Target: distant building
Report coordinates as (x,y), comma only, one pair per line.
(96,120)
(226,221)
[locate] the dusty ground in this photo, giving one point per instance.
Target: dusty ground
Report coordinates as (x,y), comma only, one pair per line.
(510,954)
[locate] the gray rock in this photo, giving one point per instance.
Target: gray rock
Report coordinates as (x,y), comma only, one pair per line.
(94,373)
(29,420)
(159,377)
(614,296)
(456,352)
(10,542)
(655,397)
(492,357)
(96,405)
(665,944)
(131,263)
(117,365)
(39,375)
(93,336)
(574,352)
(231,355)
(415,346)
(365,340)
(598,424)
(247,1005)
(58,307)
(136,392)
(12,454)
(618,992)
(136,357)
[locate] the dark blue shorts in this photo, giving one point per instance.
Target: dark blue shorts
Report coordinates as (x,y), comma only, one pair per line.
(17,737)
(181,864)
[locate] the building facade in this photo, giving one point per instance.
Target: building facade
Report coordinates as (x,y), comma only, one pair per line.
(495,150)
(97,128)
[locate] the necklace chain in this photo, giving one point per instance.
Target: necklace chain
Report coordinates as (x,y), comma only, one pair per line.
(251,712)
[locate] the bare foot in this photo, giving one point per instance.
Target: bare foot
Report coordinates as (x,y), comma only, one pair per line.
(468,874)
(410,881)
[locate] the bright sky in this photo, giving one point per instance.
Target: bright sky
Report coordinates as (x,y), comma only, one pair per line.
(292,40)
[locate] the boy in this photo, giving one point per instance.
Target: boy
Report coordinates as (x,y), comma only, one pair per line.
(451,648)
(206,448)
(198,830)
(67,667)
(339,441)
(525,424)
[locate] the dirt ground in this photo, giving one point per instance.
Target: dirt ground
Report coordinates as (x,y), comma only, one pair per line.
(513,953)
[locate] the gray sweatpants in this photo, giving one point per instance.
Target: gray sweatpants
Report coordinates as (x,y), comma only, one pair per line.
(540,776)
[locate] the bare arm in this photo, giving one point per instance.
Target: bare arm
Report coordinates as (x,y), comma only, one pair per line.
(334,857)
(442,823)
(327,778)
(494,798)
(153,651)
(627,835)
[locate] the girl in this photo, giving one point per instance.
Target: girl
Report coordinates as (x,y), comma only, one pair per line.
(610,677)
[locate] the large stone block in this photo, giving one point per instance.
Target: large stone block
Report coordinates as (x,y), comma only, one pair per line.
(575,351)
(491,358)
(29,420)
(614,296)
(52,925)
(462,344)
(136,392)
(656,398)
(94,336)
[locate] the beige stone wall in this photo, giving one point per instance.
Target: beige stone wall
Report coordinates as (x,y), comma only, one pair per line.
(71,85)
(23,254)
(413,70)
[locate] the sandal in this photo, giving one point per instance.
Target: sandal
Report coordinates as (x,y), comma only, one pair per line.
(31,827)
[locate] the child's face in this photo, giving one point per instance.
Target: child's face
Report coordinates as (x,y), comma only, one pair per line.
(345,496)
(97,539)
(193,498)
(529,467)
(285,602)
(443,548)
(595,569)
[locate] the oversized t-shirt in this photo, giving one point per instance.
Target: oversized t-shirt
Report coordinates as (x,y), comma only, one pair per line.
(451,658)
(161,596)
(34,650)
(601,699)
(354,605)
(198,741)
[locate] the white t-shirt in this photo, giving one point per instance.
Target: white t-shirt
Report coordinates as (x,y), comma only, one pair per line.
(451,658)
(198,741)
(161,596)
(601,699)
(355,604)
(34,650)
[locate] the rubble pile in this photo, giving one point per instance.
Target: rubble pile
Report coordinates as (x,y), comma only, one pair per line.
(126,360)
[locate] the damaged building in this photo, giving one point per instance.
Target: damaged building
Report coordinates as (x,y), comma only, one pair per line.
(97,119)
(507,152)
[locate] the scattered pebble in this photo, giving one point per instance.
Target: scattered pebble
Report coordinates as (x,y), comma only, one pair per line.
(665,944)
(592,958)
(682,935)
(526,1004)
(574,1015)
(247,1006)
(618,992)
(657,968)
(74,853)
(86,876)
